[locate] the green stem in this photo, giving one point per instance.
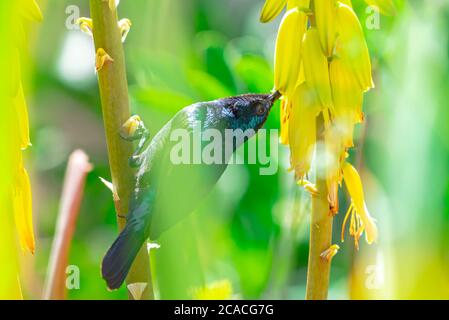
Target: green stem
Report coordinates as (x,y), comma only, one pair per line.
(320,232)
(115,106)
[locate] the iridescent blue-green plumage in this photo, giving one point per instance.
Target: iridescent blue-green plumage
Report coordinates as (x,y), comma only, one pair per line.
(165,193)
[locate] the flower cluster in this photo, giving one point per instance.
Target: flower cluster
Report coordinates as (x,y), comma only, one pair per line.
(323,69)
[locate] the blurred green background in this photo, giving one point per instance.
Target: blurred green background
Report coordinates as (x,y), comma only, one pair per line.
(252,231)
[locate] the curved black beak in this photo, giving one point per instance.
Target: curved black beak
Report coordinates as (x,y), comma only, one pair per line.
(272,98)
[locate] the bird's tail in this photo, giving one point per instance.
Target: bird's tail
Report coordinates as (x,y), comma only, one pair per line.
(120,256)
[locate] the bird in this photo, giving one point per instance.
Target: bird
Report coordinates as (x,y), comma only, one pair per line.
(164,193)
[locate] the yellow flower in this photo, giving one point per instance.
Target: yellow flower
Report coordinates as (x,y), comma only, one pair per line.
(351,46)
(288,51)
(15,191)
(334,156)
(385,7)
(348,99)
(219,290)
(325,16)
(302,129)
(360,217)
(20,188)
(316,68)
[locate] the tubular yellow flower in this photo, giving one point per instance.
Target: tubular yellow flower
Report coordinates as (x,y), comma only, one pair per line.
(288,51)
(20,185)
(302,129)
(325,16)
(351,46)
(386,7)
(335,154)
(271,10)
(348,100)
(316,68)
(15,193)
(360,217)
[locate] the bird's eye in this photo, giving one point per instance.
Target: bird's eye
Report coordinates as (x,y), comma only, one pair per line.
(260,109)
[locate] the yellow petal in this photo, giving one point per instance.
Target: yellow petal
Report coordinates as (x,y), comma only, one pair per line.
(23,210)
(346,94)
(20,108)
(351,46)
(302,129)
(386,7)
(287,61)
(354,185)
(30,10)
(325,16)
(271,9)
(316,68)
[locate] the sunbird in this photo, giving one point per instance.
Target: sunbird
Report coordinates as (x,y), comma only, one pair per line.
(164,193)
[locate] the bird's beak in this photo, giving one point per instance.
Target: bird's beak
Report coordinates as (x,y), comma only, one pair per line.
(272,98)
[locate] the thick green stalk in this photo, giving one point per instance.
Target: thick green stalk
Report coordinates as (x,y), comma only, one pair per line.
(115,106)
(320,232)
(318,271)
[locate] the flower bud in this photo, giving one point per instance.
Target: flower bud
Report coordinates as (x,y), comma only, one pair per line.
(271,10)
(288,51)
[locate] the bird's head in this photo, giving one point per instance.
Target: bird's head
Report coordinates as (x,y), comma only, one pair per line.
(249,111)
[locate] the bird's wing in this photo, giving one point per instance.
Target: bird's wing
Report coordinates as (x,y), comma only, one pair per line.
(180,187)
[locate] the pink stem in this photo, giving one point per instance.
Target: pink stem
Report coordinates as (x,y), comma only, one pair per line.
(77,169)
